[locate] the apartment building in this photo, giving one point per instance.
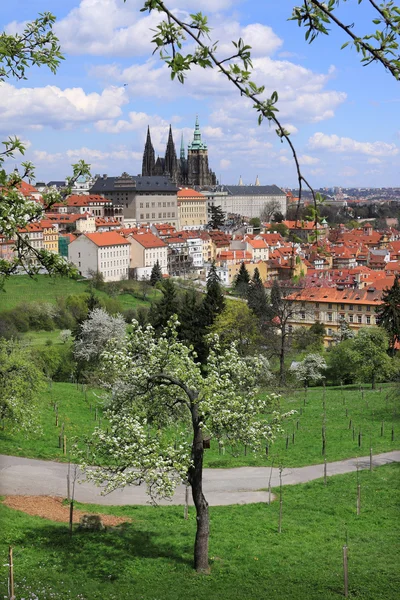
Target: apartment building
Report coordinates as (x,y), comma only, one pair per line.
(146,250)
(329,306)
(192,209)
(107,253)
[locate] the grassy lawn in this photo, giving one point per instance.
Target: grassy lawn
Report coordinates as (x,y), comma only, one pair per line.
(41,338)
(151,558)
(73,410)
(366,410)
(21,288)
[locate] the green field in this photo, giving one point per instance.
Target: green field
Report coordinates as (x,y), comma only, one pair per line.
(42,338)
(151,558)
(367,410)
(76,410)
(20,289)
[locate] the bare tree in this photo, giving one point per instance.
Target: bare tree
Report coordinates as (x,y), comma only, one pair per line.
(269,209)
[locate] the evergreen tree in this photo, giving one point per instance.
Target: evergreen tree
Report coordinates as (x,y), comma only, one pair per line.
(242,280)
(217,217)
(256,296)
(388,313)
(156,274)
(276,298)
(190,330)
(214,301)
(162,311)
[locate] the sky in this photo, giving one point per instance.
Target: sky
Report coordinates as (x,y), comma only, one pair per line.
(343,117)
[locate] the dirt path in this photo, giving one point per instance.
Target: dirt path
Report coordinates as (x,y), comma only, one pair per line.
(52,507)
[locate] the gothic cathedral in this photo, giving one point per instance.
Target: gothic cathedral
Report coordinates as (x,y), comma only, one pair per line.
(193,170)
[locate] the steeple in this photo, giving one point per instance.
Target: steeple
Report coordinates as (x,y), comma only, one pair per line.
(257,181)
(171,162)
(182,154)
(148,157)
(197,144)
(240,180)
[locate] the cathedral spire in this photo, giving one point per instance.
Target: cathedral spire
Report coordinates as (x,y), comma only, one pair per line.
(197,144)
(171,163)
(182,155)
(240,180)
(148,157)
(257,181)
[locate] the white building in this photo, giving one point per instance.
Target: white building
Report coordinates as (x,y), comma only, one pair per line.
(245,200)
(107,253)
(146,250)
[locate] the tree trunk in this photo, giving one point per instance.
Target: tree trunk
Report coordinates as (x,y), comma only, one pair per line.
(201,504)
(282,361)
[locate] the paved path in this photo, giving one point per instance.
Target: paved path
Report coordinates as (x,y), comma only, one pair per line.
(27,476)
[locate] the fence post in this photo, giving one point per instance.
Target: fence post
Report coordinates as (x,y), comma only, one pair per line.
(345,572)
(11,573)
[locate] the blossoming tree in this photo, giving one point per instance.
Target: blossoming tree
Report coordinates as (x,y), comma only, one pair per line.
(155,382)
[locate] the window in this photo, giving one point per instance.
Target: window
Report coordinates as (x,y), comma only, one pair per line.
(330,306)
(351,318)
(79,254)
(147,205)
(342,307)
(141,205)
(351,307)
(153,215)
(359,318)
(359,307)
(368,320)
(303,314)
(368,309)
(329,331)
(329,316)
(317,305)
(142,216)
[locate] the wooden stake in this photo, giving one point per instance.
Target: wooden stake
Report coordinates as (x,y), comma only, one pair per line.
(297,424)
(359,438)
(392,433)
(346,412)
(65,445)
(280,501)
(186,513)
(358,498)
(71,516)
(354,433)
(325,473)
(269,483)
(345,573)
(370,458)
(11,572)
(57,419)
(293,437)
(382,428)
(350,424)
(287,442)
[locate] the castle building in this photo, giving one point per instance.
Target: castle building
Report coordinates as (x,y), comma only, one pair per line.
(192,170)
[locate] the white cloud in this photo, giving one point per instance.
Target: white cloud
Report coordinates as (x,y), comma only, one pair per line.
(57,108)
(116,28)
(374,161)
(334,143)
(305,159)
(224,164)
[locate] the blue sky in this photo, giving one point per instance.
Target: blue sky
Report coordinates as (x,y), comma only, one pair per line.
(344,118)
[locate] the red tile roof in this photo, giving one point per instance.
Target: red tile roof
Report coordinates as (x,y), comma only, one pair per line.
(148,240)
(190,194)
(107,238)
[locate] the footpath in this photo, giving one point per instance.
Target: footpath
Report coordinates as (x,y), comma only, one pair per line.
(30,477)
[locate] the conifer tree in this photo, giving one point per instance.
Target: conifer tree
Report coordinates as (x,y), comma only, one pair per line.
(162,311)
(156,274)
(217,217)
(190,330)
(388,313)
(242,280)
(256,296)
(214,301)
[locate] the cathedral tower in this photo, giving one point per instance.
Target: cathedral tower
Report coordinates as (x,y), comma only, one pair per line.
(148,157)
(171,162)
(199,173)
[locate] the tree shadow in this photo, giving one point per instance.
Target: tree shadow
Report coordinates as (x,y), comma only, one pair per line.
(104,555)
